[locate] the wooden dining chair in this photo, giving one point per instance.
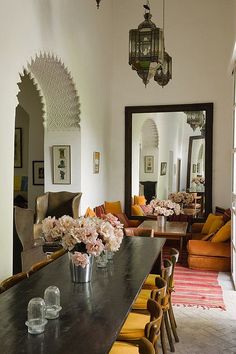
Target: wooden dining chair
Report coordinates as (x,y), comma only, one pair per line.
(138,325)
(144,347)
(35,267)
(10,281)
(136,231)
(57,254)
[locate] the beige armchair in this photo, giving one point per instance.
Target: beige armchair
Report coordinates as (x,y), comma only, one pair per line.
(24,225)
(55,204)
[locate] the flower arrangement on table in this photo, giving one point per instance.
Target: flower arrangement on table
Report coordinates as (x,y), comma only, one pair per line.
(181,198)
(165,207)
(84,236)
(198,180)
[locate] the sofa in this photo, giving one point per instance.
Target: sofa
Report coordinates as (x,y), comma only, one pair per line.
(209,247)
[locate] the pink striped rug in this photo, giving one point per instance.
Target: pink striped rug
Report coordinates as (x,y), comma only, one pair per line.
(197,288)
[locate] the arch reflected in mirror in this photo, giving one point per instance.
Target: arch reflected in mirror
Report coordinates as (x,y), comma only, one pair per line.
(156,151)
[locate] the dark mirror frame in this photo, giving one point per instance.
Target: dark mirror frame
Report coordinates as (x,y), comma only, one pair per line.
(129,110)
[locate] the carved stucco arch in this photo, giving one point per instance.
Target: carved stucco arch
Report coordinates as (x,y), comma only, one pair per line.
(149,134)
(59,97)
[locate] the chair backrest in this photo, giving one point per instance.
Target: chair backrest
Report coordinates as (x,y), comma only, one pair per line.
(152,329)
(57,204)
(167,271)
(136,231)
(159,292)
(35,267)
(24,221)
(14,279)
(146,347)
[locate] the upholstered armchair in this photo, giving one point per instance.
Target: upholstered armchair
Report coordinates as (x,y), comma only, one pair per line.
(55,204)
(24,225)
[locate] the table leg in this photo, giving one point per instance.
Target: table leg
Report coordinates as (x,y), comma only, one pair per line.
(181,249)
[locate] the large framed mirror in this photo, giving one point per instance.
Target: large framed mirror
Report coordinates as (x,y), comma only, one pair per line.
(168,148)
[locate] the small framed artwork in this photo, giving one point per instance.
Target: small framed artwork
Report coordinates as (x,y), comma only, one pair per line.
(163,168)
(149,164)
(194,169)
(38,173)
(61,164)
(18,148)
(96,162)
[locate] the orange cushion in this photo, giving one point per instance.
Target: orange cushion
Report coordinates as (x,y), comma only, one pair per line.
(216,225)
(210,219)
(90,213)
(113,207)
(137,210)
(223,234)
(207,248)
(140,200)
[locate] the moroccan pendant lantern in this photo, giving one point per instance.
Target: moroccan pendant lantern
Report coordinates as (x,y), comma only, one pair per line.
(98,3)
(164,72)
(146,51)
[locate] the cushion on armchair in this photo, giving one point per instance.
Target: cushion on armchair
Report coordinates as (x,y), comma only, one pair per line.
(140,200)
(113,207)
(137,210)
(127,222)
(90,213)
(209,221)
(223,234)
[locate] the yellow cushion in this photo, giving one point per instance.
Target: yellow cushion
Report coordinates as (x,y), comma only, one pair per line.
(216,225)
(208,237)
(113,207)
(137,210)
(90,213)
(150,282)
(223,234)
(133,328)
(140,200)
(141,301)
(124,348)
(207,225)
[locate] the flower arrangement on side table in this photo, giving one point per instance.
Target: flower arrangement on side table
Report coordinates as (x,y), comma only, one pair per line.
(84,237)
(165,207)
(181,198)
(198,180)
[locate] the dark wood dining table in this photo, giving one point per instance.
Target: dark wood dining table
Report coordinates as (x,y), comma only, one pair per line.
(92,313)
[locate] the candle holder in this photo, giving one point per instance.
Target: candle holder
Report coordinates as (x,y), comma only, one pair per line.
(36,316)
(52,302)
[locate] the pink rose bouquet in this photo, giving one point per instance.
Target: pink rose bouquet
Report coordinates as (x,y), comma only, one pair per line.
(165,207)
(181,198)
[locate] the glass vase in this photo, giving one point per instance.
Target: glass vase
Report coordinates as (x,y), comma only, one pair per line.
(80,274)
(102,260)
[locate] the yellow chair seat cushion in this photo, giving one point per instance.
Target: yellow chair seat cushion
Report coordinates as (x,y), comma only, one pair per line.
(124,348)
(140,200)
(133,328)
(137,210)
(141,301)
(150,282)
(223,234)
(208,223)
(90,213)
(113,207)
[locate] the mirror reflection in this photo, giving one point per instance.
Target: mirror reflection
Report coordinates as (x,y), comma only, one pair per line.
(168,154)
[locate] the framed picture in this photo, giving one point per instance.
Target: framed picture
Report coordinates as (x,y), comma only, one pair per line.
(148,164)
(96,162)
(18,148)
(163,168)
(61,164)
(38,173)
(194,169)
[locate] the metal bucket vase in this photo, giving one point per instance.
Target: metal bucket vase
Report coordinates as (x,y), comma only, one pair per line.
(79,274)
(161,221)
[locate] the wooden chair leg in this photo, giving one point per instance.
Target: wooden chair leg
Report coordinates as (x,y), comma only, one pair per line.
(171,308)
(163,341)
(173,323)
(168,332)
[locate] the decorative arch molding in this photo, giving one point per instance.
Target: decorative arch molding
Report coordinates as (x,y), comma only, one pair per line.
(59,97)
(149,134)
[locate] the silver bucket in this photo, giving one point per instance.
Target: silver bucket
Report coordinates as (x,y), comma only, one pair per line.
(79,274)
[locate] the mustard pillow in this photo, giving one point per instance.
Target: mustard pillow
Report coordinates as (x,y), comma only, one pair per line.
(209,221)
(223,234)
(113,207)
(90,213)
(137,210)
(140,200)
(216,225)
(208,237)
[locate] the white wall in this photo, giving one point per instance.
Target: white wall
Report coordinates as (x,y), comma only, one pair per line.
(199,37)
(80,35)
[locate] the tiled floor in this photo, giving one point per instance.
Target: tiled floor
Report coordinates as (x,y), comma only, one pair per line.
(210,331)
